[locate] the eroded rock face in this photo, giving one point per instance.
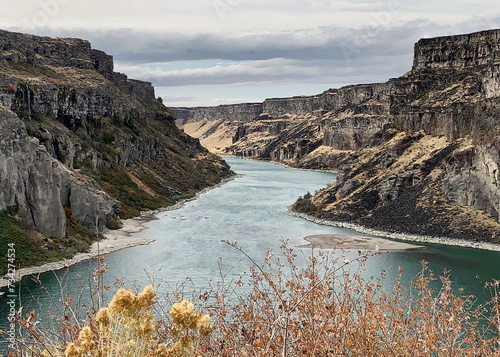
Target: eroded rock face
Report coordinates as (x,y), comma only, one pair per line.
(39,185)
(448,104)
(394,185)
(349,186)
(473,178)
(82,121)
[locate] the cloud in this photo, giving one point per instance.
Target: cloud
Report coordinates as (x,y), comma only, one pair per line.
(226,73)
(326,42)
(359,6)
(326,56)
(321,55)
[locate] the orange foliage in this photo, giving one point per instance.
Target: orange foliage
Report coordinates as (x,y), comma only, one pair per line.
(326,309)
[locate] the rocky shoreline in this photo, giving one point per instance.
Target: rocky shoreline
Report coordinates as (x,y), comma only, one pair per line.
(115,240)
(399,236)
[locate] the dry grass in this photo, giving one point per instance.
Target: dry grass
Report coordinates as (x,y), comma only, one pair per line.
(216,135)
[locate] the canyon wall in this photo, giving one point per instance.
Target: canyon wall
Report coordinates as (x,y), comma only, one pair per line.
(444,114)
(458,52)
(79,139)
(41,186)
(238,113)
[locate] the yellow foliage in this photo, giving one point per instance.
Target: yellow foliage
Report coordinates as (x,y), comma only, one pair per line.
(126,327)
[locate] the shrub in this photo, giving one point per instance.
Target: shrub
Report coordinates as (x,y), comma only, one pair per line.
(328,308)
(114,224)
(305,204)
(126,327)
(69,216)
(12,210)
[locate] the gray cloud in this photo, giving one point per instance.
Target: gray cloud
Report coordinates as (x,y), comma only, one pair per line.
(332,42)
(323,55)
(329,54)
(276,70)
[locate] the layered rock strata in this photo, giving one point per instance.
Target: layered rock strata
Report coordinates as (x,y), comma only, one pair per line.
(83,141)
(417,154)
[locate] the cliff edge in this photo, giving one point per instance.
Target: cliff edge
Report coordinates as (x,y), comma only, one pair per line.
(418,154)
(82,145)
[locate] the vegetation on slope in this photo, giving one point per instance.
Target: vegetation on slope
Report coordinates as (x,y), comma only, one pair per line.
(32,248)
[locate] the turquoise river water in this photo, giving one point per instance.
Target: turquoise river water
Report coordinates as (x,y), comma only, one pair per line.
(251,210)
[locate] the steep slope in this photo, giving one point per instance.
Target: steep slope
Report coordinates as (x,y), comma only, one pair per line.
(418,154)
(294,130)
(81,141)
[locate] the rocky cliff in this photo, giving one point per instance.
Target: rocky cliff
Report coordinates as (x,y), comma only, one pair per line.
(40,186)
(81,141)
(341,119)
(418,154)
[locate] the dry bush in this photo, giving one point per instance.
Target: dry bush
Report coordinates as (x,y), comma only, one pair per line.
(125,328)
(328,308)
(331,309)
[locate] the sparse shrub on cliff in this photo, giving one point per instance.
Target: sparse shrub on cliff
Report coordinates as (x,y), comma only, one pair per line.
(51,80)
(108,136)
(305,205)
(69,215)
(12,210)
(114,224)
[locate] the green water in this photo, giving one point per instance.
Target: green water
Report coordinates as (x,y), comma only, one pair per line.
(252,210)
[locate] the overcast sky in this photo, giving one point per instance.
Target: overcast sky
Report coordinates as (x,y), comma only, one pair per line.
(211,52)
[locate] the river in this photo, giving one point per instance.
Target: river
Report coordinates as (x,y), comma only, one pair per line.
(251,209)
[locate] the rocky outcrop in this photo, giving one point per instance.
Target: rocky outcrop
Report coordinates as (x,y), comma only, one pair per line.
(82,139)
(417,154)
(394,185)
(47,51)
(40,186)
(458,52)
(473,178)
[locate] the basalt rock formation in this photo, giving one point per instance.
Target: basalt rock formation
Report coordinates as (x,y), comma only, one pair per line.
(418,154)
(80,141)
(40,185)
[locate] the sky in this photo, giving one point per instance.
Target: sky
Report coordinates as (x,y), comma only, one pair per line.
(212,52)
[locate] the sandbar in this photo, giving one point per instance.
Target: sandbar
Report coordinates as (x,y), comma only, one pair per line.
(349,242)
